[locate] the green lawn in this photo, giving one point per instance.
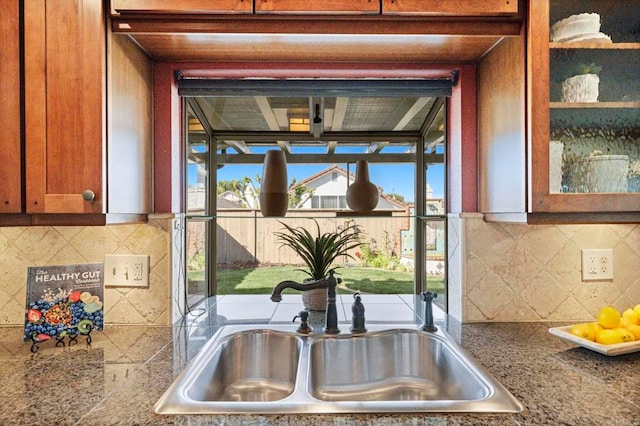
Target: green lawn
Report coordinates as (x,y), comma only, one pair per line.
(367,280)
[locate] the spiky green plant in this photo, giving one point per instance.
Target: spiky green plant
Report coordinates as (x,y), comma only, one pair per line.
(319,252)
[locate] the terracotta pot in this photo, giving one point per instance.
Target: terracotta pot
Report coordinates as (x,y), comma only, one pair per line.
(274,196)
(362,195)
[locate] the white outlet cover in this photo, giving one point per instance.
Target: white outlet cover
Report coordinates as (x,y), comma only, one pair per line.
(597,264)
(121,270)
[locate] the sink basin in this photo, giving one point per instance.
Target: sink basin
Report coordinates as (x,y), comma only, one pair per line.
(235,373)
(398,365)
(275,370)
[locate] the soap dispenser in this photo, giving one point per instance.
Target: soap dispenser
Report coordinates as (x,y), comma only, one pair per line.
(304,324)
(357,318)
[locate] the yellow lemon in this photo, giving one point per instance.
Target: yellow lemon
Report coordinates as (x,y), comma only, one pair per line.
(637,308)
(624,322)
(635,330)
(609,336)
(609,317)
(627,336)
(631,316)
(586,331)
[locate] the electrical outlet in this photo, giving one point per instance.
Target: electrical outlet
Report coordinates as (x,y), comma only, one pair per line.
(597,264)
(137,271)
(124,270)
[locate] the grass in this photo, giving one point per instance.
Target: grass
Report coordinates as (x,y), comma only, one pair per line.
(367,280)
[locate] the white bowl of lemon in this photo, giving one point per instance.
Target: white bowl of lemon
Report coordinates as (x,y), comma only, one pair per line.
(613,333)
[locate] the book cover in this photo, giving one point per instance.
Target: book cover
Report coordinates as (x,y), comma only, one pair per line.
(64,300)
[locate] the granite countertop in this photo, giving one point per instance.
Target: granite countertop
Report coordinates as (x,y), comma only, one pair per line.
(125,370)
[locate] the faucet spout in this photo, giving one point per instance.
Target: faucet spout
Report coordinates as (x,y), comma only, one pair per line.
(330,283)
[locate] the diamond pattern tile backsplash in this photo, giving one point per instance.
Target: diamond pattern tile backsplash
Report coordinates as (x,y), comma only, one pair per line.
(518,272)
(497,272)
(21,247)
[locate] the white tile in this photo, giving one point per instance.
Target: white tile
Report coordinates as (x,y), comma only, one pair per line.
(248,299)
(394,312)
(347,299)
(246,311)
(285,312)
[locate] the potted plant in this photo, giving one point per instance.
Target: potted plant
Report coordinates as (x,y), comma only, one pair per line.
(318,253)
(582,84)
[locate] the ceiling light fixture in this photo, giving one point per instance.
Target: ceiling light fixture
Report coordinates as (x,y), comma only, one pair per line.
(316,129)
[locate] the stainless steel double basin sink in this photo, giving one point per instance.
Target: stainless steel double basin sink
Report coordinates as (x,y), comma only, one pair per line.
(275,370)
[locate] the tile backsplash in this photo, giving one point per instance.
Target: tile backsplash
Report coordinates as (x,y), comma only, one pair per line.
(497,272)
(513,272)
(21,247)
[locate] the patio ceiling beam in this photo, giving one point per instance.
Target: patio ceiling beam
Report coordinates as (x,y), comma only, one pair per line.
(239,146)
(431,116)
(376,147)
(412,112)
(339,113)
(285,146)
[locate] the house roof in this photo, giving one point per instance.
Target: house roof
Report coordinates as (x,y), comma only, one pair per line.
(226,203)
(306,181)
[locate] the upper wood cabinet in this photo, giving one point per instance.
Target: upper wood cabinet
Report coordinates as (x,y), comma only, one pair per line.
(182,6)
(585,136)
(328,6)
(88,116)
(11,159)
(65,83)
(450,7)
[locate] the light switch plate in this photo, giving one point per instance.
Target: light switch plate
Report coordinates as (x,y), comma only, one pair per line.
(126,270)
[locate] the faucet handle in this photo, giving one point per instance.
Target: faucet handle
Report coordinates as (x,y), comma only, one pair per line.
(428,297)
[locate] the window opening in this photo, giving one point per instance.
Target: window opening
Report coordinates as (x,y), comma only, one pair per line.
(406,237)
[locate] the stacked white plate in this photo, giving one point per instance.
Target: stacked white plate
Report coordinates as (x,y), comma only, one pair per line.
(582,27)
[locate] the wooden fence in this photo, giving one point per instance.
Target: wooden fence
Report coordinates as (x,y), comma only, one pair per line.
(245,237)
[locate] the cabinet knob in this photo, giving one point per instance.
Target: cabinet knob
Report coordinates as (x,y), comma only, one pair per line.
(88,195)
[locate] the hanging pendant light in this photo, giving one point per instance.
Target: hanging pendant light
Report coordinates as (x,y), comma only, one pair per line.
(362,195)
(274,196)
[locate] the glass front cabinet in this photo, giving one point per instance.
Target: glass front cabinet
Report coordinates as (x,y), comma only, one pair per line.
(584,97)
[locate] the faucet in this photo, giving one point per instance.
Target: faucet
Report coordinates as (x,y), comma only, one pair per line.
(428,297)
(330,283)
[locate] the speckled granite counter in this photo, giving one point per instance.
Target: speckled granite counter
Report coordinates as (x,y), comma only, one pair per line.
(126,369)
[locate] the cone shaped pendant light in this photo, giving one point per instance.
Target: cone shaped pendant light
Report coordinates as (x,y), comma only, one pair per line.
(362,195)
(274,196)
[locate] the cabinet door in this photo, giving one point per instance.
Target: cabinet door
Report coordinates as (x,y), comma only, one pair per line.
(329,6)
(64,105)
(585,107)
(182,6)
(11,163)
(450,7)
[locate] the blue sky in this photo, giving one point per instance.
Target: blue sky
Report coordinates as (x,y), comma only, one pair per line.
(393,178)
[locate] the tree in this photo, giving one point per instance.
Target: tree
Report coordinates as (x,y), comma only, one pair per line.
(396,196)
(298,193)
(237,187)
(240,187)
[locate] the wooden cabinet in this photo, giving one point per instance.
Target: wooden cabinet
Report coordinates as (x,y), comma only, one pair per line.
(450,7)
(182,6)
(65,83)
(87,126)
(10,155)
(328,6)
(585,143)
